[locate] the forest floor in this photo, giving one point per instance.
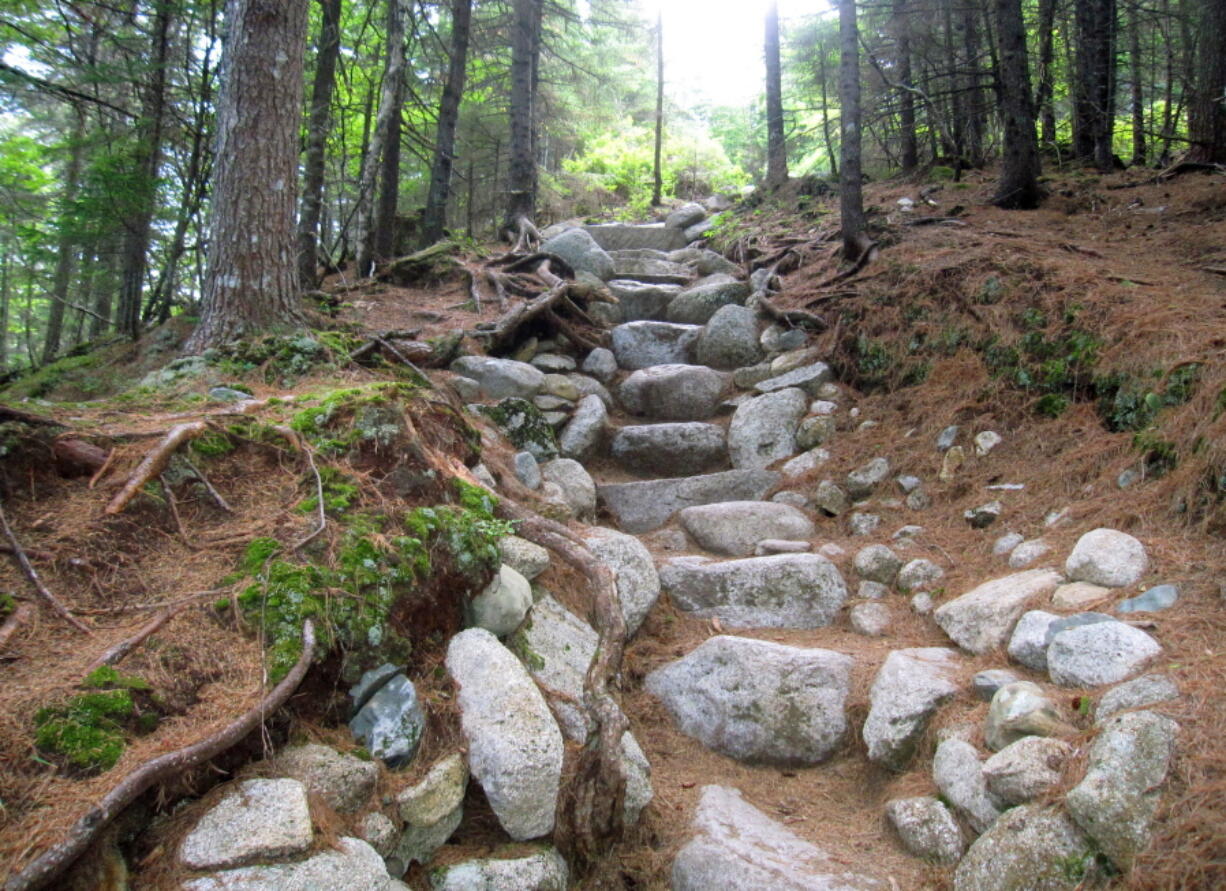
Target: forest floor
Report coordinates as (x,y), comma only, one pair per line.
(1052,327)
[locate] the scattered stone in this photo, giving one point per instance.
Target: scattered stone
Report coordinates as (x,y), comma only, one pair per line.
(259,820)
(581,252)
(601,364)
(643,506)
(1155,599)
(831,551)
(984,516)
(228,394)
(769,546)
(501,378)
(919,500)
(514,744)
(553,403)
(644,344)
(756,701)
(584,435)
(391,722)
(922,603)
(830,499)
(862,481)
(577,485)
(1107,557)
(908,688)
(918,574)
(1116,801)
(1027,769)
(503,604)
(807,379)
(958,773)
(870,619)
(872,590)
(1064,623)
(1028,552)
(673,392)
(794,359)
(951,464)
(1056,517)
(1150,689)
(793,499)
(982,619)
(1098,654)
(1022,709)
(745,378)
(1028,645)
(562,386)
(763,430)
(986,683)
(1129,477)
(1079,595)
(553,363)
(735,527)
(697,304)
(908,484)
(877,563)
(378,831)
(672,449)
(739,848)
(926,828)
(527,471)
(634,571)
(904,534)
(730,339)
(589,386)
(986,441)
(783,591)
(860,523)
(947,438)
(822,407)
(521,555)
(353,866)
(1033,847)
(556,419)
(542,871)
(685,216)
(432,811)
(524,425)
(342,781)
(805,463)
(777,339)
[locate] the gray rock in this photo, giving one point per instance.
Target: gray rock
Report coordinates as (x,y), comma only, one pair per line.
(768,546)
(527,471)
(863,480)
(390,724)
(1079,595)
(525,425)
(919,500)
(870,619)
(342,781)
(908,484)
(352,866)
(1022,709)
(745,378)
(736,847)
(1005,545)
(581,252)
(556,647)
(808,379)
(622,236)
(986,683)
(577,485)
(830,499)
(1129,477)
(763,429)
(542,871)
(957,772)
(600,364)
(589,386)
(643,506)
(643,302)
(676,449)
(503,604)
(500,378)
(1028,645)
(793,499)
(904,535)
(562,386)
(730,339)
(369,684)
(227,394)
(948,438)
(259,820)
(804,464)
(922,603)
(685,216)
(553,363)
(783,591)
(696,305)
(1027,769)
(673,392)
(982,619)
(584,435)
(823,407)
(926,828)
(877,563)
(860,523)
(1032,847)
(1116,802)
(644,344)
(986,441)
(793,360)
(514,744)
(710,263)
(776,339)
(1064,623)
(378,831)
(638,584)
(983,516)
(1028,552)
(905,694)
(1154,600)
(951,464)
(521,555)
(1098,654)
(432,810)
(1107,557)
(815,431)
(1150,689)
(735,527)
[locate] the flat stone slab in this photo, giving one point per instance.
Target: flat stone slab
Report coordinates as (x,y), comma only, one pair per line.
(676,448)
(639,301)
(734,528)
(642,506)
(355,866)
(983,618)
(643,344)
(622,237)
(906,692)
(779,591)
(259,820)
(675,392)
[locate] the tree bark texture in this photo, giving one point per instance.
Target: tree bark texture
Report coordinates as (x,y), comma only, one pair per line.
(1094,93)
(851,199)
(252,284)
(66,252)
(434,220)
(1136,65)
(521,186)
(776,148)
(327,51)
(1018,187)
(909,154)
(1047,45)
(1207,110)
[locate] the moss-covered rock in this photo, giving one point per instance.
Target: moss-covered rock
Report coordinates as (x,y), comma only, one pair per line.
(525,425)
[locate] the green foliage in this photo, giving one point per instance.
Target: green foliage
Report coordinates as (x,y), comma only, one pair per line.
(344,418)
(212,444)
(523,424)
(87,734)
(282,358)
(107,677)
(339,492)
(7,605)
(1055,365)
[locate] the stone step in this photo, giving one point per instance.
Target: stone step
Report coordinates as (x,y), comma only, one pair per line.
(642,344)
(639,301)
(648,504)
(654,278)
(670,449)
(674,392)
(653,236)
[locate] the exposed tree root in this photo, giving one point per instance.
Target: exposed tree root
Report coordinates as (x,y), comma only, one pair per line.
(19,616)
(505,334)
(204,481)
(120,651)
(796,318)
(154,463)
(53,862)
(23,561)
(319,498)
(7,413)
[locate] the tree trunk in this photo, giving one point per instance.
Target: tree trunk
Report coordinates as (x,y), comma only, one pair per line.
(1047,45)
(5,297)
(974,104)
(521,186)
(1207,108)
(388,197)
(851,200)
(385,124)
(822,76)
(1019,177)
(657,187)
(434,220)
(327,50)
(1138,98)
(1094,93)
(251,284)
(906,99)
(66,252)
(776,147)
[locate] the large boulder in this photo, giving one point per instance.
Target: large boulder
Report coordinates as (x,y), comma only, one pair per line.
(352,865)
(735,527)
(730,339)
(926,828)
(905,695)
(685,216)
(1098,654)
(1027,769)
(514,745)
(671,449)
(1033,847)
(780,591)
(544,870)
(578,487)
(500,378)
(696,305)
(642,506)
(503,604)
(634,571)
(763,429)
(1107,557)
(640,301)
(673,392)
(756,701)
(259,820)
(1150,689)
(584,434)
(643,344)
(982,619)
(581,252)
(736,847)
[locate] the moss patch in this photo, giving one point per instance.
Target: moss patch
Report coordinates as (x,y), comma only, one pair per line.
(88,734)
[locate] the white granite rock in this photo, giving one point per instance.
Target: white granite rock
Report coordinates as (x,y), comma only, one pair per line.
(1107,557)
(1098,654)
(1030,847)
(735,527)
(909,687)
(353,866)
(634,571)
(259,820)
(543,871)
(1026,769)
(927,828)
(958,773)
(342,781)
(983,618)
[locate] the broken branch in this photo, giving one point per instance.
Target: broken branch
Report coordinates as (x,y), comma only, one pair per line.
(23,561)
(120,651)
(154,463)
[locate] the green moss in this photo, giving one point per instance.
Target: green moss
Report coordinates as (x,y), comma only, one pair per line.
(940,173)
(525,425)
(107,677)
(7,605)
(87,732)
(281,358)
(344,418)
(340,492)
(212,444)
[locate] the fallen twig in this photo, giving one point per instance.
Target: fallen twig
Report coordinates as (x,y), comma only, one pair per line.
(1216,270)
(119,652)
(319,497)
(155,462)
(934,221)
(18,617)
(82,834)
(213,493)
(106,465)
(504,333)
(794,317)
(173,504)
(24,562)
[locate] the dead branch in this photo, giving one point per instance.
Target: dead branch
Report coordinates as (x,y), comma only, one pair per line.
(500,290)
(936,221)
(319,497)
(18,617)
(154,463)
(120,651)
(572,331)
(106,465)
(60,856)
(796,318)
(173,504)
(32,553)
(867,255)
(24,562)
(372,345)
(402,359)
(8,413)
(503,335)
(1216,270)
(204,481)
(75,457)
